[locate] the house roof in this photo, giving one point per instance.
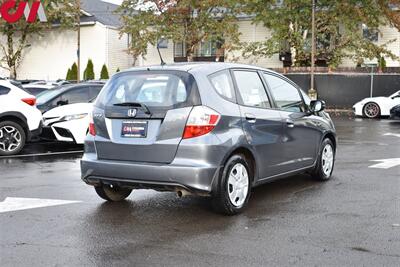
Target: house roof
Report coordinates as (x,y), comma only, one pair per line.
(99,11)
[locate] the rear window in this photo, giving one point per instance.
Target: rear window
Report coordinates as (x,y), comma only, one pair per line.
(154,89)
(4,90)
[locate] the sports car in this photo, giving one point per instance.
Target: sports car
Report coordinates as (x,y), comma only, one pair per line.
(375,107)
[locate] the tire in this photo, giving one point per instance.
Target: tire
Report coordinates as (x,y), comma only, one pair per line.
(113,194)
(371,110)
(324,169)
(12,138)
(229,187)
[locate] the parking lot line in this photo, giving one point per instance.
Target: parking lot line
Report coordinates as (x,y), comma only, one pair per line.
(42,154)
(16,203)
(385,163)
(392,134)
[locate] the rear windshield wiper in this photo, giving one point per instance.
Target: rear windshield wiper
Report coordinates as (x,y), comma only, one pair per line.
(134,104)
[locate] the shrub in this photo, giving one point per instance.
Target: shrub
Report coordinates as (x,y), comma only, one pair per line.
(68,78)
(74,72)
(89,71)
(104,73)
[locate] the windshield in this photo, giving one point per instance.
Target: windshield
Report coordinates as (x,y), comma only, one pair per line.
(395,94)
(151,89)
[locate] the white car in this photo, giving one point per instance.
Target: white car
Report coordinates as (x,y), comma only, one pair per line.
(20,120)
(374,107)
(68,123)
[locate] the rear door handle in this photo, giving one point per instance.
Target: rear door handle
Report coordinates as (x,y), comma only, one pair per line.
(289,123)
(250,118)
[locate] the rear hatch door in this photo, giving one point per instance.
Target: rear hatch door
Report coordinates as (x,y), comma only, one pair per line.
(141,115)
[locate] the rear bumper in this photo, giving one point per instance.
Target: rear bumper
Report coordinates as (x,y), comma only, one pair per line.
(163,177)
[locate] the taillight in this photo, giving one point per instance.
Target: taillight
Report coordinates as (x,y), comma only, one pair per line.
(92,128)
(201,121)
(31,101)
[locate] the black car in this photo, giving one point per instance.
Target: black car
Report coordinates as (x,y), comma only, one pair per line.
(395,112)
(68,94)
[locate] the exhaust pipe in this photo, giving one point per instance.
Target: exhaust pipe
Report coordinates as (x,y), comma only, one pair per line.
(183,193)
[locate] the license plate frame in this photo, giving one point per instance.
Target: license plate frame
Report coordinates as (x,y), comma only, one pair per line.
(134,129)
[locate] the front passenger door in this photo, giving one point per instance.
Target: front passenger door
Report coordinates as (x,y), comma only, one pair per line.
(261,124)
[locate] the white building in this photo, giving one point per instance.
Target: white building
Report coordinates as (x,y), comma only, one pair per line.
(49,56)
(251,33)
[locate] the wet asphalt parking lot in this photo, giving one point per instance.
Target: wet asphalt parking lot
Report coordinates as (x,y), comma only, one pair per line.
(351,220)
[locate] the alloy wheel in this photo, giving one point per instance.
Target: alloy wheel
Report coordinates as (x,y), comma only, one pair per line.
(371,110)
(238,185)
(10,138)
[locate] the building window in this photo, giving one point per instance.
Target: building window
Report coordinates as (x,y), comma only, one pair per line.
(207,51)
(370,34)
(163,43)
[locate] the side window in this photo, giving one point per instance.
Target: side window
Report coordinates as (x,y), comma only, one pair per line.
(251,89)
(286,96)
(4,90)
(80,95)
(55,102)
(223,84)
(94,91)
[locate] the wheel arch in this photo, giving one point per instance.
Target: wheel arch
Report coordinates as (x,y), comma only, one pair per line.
(17,118)
(331,136)
(250,156)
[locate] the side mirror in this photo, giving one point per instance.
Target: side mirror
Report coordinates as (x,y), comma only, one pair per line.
(317,106)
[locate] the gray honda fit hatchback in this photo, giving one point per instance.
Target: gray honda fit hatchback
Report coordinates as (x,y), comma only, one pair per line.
(209,129)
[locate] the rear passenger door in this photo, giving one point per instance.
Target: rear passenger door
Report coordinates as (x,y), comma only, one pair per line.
(301,134)
(262,124)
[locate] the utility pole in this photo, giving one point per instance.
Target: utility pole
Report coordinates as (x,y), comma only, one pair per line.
(312,92)
(78,52)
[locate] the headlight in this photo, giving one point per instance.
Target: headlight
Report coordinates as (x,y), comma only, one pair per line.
(74,117)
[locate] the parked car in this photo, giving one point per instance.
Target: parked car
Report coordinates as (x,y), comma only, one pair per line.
(20,120)
(395,112)
(214,129)
(69,123)
(36,89)
(375,107)
(68,94)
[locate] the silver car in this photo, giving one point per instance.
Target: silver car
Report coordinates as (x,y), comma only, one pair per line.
(209,129)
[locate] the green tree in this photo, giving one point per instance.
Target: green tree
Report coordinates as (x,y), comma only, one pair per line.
(89,71)
(188,21)
(18,35)
(338,29)
(391,10)
(118,70)
(104,73)
(68,74)
(74,72)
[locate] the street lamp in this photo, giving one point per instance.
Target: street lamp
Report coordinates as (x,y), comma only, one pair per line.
(312,92)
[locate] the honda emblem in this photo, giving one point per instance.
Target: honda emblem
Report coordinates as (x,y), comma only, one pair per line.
(132,112)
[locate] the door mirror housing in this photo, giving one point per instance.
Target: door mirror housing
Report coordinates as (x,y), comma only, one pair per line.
(317,106)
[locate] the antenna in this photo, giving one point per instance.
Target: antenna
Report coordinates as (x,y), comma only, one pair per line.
(159,53)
